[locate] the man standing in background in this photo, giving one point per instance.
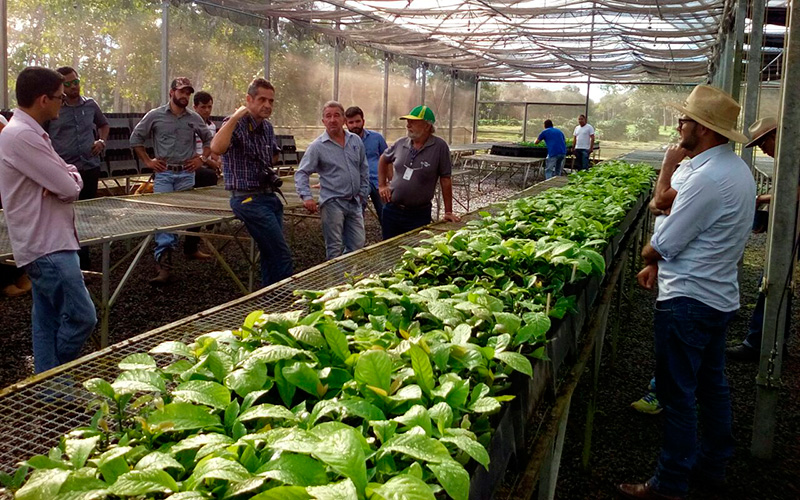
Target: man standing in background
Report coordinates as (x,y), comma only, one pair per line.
(583,143)
(375,145)
(79,137)
(556,149)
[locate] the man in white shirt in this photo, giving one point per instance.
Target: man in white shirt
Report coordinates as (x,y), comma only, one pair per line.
(694,255)
(583,143)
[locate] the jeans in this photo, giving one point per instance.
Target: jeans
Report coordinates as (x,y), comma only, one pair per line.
(375,196)
(690,369)
(756,327)
(63,314)
(262,214)
(553,166)
(342,226)
(203,177)
(90,179)
(581,159)
(167,182)
(397,220)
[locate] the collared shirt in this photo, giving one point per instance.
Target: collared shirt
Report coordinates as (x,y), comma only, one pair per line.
(74,131)
(343,171)
(252,146)
(198,143)
(37,225)
(173,136)
(583,136)
(678,178)
(703,238)
(416,188)
(554,140)
(375,145)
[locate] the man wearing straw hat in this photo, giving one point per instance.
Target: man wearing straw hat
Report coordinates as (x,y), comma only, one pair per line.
(693,256)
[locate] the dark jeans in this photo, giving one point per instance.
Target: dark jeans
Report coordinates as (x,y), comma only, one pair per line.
(262,214)
(398,220)
(89,192)
(375,196)
(690,369)
(756,327)
(581,159)
(203,177)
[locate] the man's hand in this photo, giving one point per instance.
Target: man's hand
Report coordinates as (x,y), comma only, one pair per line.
(193,163)
(386,193)
(451,217)
(157,165)
(311,206)
(240,112)
(647,276)
(98,147)
(673,156)
(45,193)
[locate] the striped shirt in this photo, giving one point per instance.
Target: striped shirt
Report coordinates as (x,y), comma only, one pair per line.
(252,145)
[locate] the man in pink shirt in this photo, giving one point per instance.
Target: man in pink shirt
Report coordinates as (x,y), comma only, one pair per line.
(38,189)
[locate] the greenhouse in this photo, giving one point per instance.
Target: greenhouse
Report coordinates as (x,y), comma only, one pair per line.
(491,341)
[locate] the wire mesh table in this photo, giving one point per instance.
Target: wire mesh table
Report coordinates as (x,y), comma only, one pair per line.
(497,164)
(35,412)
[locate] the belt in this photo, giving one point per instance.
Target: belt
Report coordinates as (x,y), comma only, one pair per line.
(251,192)
(175,167)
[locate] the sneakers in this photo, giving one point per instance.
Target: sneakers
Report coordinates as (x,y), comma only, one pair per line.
(742,352)
(648,404)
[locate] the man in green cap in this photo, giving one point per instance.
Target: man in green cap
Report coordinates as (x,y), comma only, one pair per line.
(407,175)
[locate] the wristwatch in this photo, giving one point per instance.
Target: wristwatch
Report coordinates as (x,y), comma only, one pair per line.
(102,141)
(203,158)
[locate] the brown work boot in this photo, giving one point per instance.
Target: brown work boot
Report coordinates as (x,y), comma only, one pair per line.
(163,266)
(24,283)
(199,255)
(13,291)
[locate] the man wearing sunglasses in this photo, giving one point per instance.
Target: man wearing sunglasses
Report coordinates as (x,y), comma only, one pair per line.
(79,137)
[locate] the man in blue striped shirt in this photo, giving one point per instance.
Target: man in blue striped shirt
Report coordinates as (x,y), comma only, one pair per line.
(246,142)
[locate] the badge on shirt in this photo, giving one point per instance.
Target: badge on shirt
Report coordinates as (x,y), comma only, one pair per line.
(408,173)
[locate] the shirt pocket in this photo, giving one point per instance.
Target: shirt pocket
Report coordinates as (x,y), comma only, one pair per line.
(185,135)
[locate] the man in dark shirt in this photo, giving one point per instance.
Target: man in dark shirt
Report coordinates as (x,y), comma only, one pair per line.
(248,147)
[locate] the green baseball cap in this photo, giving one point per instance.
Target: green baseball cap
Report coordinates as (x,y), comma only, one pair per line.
(420,113)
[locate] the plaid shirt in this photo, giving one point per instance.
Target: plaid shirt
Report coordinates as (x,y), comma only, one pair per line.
(251,145)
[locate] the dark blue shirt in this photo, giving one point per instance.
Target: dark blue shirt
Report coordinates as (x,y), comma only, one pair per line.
(554,139)
(74,131)
(252,145)
(375,145)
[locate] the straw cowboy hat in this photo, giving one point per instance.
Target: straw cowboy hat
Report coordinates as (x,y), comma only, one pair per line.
(714,109)
(761,128)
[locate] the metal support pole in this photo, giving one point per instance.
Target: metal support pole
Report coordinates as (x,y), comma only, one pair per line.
(475,109)
(724,75)
(336,53)
(4,54)
(525,123)
(105,295)
(780,257)
(267,41)
(164,51)
(736,70)
(424,68)
(453,76)
(385,122)
(756,40)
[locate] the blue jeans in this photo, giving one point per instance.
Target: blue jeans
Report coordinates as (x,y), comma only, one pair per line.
(262,214)
(63,314)
(342,226)
(690,368)
(397,220)
(581,159)
(553,166)
(167,182)
(375,196)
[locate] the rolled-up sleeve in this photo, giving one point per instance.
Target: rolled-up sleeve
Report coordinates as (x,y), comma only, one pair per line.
(693,211)
(308,166)
(364,171)
(142,129)
(205,134)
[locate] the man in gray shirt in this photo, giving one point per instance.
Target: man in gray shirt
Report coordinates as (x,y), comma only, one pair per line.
(173,128)
(413,164)
(79,137)
(339,158)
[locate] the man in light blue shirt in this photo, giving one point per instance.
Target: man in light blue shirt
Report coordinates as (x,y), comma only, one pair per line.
(375,145)
(339,158)
(693,256)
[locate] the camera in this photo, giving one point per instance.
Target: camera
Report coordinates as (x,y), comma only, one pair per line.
(267,178)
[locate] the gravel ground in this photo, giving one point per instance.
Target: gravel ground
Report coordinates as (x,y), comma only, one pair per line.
(626,443)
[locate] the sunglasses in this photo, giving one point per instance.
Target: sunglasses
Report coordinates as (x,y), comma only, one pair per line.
(73,83)
(684,121)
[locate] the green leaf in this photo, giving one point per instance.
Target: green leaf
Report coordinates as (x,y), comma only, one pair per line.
(507,323)
(416,444)
(266,411)
(250,320)
(283,493)
(138,361)
(307,335)
(251,377)
(173,347)
(453,477)
(43,484)
(485,405)
(462,333)
(442,414)
(337,341)
(133,381)
(343,490)
(158,460)
(297,470)
(188,495)
(516,361)
(142,482)
(100,387)
(416,416)
(342,451)
(347,408)
(94,494)
(445,312)
(274,353)
(78,450)
(203,392)
(374,368)
(304,377)
(219,468)
(472,447)
(199,441)
(43,462)
(423,371)
(405,487)
(182,416)
(536,328)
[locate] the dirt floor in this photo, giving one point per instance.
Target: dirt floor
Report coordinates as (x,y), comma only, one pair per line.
(626,443)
